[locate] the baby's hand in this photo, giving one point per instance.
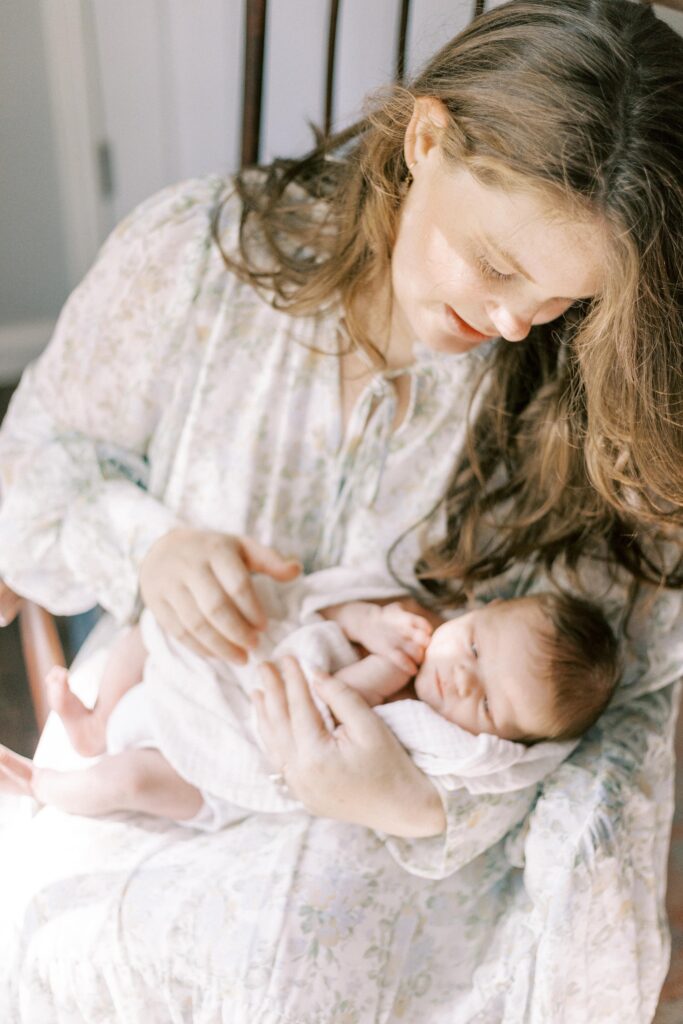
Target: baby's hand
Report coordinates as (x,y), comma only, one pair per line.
(396,634)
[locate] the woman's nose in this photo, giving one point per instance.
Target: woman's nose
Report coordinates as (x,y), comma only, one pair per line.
(509,324)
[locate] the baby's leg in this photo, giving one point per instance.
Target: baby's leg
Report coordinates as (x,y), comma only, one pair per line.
(87,728)
(134,780)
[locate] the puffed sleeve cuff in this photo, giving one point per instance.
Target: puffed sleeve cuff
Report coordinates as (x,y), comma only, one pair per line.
(473,825)
(71,536)
(105,539)
(91,556)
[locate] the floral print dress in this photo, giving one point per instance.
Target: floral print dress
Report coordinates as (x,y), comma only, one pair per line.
(171,393)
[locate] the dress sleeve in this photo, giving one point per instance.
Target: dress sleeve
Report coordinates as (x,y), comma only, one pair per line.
(473,825)
(77,516)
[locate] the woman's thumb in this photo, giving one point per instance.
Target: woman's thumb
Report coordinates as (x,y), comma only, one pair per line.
(261,558)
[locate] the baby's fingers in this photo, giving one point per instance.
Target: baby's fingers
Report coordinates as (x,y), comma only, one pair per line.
(402,659)
(417,627)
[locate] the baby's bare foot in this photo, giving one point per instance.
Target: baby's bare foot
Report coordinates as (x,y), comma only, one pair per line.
(16,773)
(84,728)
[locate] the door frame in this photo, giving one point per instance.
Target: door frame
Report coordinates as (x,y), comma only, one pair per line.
(75,98)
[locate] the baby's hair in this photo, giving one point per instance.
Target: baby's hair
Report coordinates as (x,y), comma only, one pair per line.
(580,655)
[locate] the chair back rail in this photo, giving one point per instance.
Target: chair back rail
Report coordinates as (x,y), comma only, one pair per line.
(254,51)
(42,649)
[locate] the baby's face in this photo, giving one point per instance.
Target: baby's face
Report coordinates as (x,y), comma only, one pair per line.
(481,671)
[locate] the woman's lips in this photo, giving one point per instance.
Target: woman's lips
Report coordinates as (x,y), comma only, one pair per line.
(463,327)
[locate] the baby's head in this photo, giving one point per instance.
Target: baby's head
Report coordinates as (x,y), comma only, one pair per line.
(537,667)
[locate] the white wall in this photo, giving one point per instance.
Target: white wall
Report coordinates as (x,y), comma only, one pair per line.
(171,89)
(33,280)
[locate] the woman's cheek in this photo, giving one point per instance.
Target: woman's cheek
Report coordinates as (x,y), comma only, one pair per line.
(551,311)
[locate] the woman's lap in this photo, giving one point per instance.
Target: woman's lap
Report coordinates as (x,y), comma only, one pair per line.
(293,920)
(273,920)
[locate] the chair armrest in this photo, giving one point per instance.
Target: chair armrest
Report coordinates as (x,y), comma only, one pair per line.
(42,648)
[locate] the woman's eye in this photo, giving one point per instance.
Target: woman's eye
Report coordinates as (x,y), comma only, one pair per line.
(485,704)
(489,271)
(474,649)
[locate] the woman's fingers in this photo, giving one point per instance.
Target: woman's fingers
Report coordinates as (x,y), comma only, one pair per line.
(306,720)
(205,577)
(220,610)
(274,692)
(183,620)
(234,579)
(265,729)
(349,708)
(289,721)
(273,715)
(261,558)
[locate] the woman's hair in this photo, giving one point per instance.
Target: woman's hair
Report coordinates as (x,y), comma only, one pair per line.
(577,444)
(579,661)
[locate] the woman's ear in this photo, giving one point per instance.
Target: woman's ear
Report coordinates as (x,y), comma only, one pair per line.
(430,118)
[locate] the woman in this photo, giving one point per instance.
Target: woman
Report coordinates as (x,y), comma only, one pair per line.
(247,364)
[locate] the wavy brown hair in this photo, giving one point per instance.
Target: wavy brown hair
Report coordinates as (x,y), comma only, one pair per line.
(577,445)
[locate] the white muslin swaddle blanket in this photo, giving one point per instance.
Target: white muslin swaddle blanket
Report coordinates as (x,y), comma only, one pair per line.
(199,714)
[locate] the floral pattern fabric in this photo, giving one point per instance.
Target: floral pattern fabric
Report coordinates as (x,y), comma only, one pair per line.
(172,393)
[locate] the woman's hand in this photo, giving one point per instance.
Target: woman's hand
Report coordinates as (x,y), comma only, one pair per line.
(358,773)
(198,585)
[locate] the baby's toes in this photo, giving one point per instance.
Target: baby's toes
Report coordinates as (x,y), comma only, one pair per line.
(57,686)
(16,771)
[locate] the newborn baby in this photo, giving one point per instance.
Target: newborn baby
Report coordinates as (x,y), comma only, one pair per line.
(526,669)
(531,668)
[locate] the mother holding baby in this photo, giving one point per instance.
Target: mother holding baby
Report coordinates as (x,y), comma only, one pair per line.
(446,345)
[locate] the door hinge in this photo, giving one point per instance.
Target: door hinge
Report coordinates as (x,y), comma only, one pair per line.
(105,169)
